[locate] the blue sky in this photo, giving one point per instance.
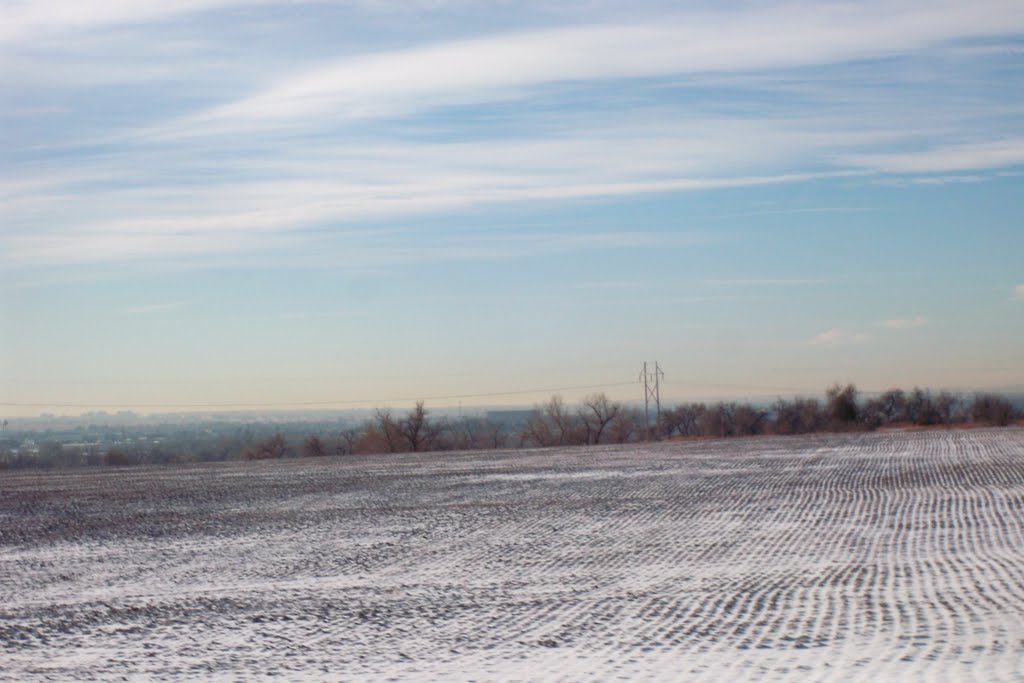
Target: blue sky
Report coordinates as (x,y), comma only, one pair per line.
(216,202)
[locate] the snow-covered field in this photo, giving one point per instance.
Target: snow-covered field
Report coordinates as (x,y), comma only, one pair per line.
(872,557)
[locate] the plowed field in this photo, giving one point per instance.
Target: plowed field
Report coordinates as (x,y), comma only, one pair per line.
(873,557)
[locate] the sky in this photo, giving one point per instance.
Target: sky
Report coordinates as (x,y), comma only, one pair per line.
(220,203)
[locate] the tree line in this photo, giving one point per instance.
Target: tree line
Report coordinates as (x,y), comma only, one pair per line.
(842,410)
(600,420)
(594,420)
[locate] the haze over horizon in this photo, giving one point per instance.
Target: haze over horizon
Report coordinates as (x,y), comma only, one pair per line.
(219,203)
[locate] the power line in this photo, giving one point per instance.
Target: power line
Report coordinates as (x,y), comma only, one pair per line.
(299,404)
(652,390)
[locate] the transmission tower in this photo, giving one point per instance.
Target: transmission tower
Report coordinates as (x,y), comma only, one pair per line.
(652,391)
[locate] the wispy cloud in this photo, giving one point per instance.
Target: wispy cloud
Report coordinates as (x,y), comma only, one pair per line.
(933,180)
(837,337)
(487,68)
(184,220)
(962,157)
(904,323)
(399,152)
(1018,293)
(325,143)
(30,20)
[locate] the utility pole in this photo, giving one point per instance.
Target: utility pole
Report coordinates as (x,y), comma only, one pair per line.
(652,390)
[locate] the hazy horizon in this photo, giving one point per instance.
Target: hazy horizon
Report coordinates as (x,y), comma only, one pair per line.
(237,204)
(363,409)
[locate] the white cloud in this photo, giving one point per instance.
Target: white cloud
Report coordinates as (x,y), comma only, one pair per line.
(933,180)
(96,212)
(491,68)
(837,337)
(963,157)
(1018,293)
(27,20)
(264,180)
(904,323)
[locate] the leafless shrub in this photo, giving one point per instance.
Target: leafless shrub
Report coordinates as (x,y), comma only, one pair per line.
(272,448)
(553,424)
(841,406)
(314,447)
(992,408)
(625,426)
(799,416)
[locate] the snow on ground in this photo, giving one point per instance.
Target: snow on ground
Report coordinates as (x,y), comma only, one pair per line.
(873,557)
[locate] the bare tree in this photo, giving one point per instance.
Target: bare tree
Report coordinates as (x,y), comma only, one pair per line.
(497,435)
(718,420)
(690,416)
(921,409)
(553,424)
(347,439)
(871,415)
(415,428)
(992,408)
(274,447)
(799,416)
(537,431)
(683,419)
(314,447)
(438,435)
(477,432)
(565,425)
(842,407)
(748,420)
(595,413)
(668,422)
(388,428)
(624,425)
(948,407)
(893,405)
